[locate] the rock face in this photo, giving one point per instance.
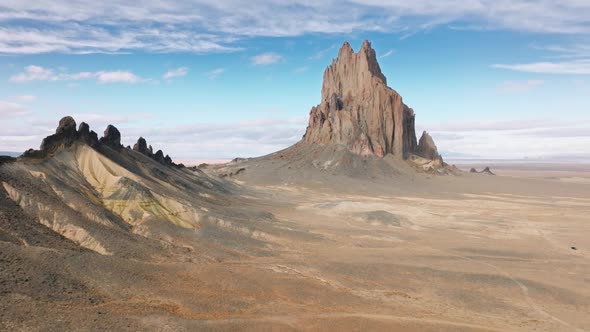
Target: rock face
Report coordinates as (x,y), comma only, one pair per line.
(358,109)
(67,126)
(112,137)
(141,147)
(87,135)
(426,147)
(66,135)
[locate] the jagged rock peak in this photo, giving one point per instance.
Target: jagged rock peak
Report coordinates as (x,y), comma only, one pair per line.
(159,157)
(83,129)
(65,135)
(426,147)
(352,73)
(358,109)
(87,135)
(141,147)
(66,125)
(112,137)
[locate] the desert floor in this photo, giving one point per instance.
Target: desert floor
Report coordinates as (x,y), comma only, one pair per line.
(444,253)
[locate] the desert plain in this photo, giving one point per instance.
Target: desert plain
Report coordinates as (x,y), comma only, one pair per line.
(472,252)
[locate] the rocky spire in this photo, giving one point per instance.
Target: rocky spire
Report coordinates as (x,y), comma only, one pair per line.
(141,147)
(65,136)
(87,135)
(426,147)
(359,110)
(112,137)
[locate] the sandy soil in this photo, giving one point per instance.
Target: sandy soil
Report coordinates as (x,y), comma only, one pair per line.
(329,252)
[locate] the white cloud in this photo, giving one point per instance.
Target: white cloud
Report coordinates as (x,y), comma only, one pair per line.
(215,72)
(9,109)
(34,73)
(518,87)
(515,139)
(23,98)
(117,77)
(37,73)
(178,72)
(322,53)
(579,67)
(302,69)
(386,54)
(267,58)
(203,26)
(246,138)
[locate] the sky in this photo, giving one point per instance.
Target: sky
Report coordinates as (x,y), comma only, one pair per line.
(219,79)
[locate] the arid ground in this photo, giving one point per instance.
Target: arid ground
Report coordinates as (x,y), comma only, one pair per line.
(471,252)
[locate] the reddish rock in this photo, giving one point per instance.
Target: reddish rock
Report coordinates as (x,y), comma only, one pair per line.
(359,110)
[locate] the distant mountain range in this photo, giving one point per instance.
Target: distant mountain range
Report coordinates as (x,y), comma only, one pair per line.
(10,153)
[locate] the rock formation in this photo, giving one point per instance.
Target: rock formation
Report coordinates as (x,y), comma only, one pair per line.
(358,109)
(87,135)
(426,147)
(486,170)
(141,147)
(112,137)
(66,135)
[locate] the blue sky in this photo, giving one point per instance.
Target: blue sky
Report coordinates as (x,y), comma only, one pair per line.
(204,80)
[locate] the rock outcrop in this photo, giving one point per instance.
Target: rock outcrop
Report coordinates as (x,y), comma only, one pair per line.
(142,147)
(66,135)
(426,147)
(486,171)
(358,109)
(87,135)
(112,137)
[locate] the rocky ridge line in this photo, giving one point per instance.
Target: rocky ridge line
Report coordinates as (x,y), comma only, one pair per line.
(66,135)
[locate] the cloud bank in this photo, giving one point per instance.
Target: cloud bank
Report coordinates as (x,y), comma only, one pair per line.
(204,26)
(524,138)
(38,73)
